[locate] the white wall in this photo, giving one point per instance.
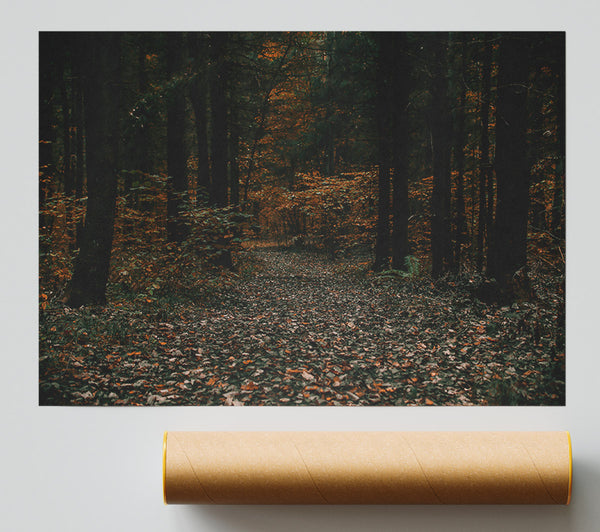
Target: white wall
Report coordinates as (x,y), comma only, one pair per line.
(98,469)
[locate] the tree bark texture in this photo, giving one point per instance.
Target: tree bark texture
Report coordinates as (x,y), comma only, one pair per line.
(459,161)
(234,163)
(558,202)
(101,93)
(218,97)
(511,164)
(176,157)
(441,136)
(199,100)
(400,92)
(485,173)
(382,105)
(47,134)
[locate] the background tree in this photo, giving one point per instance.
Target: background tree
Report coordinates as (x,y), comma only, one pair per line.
(135,150)
(383,103)
(340,142)
(101,54)
(47,134)
(176,151)
(459,155)
(509,252)
(270,61)
(485,169)
(218,98)
(441,134)
(400,87)
(558,200)
(198,91)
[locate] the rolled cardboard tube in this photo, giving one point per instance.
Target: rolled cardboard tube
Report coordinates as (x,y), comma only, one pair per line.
(367,467)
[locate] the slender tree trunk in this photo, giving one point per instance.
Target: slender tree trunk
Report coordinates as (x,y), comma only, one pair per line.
(101,90)
(66,115)
(78,119)
(67,105)
(199,99)
(79,125)
(473,197)
(382,242)
(218,90)
(143,162)
(400,86)
(558,200)
(47,135)
(234,168)
(485,174)
(382,111)
(176,158)
(441,132)
(329,148)
(512,169)
(251,159)
(459,158)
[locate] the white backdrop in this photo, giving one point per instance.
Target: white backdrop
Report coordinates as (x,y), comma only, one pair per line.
(98,469)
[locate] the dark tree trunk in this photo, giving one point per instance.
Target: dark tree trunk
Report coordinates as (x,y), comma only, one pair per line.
(79,133)
(234,148)
(78,119)
(382,242)
(142,158)
(459,158)
(198,98)
(558,200)
(66,116)
(218,90)
(385,60)
(47,134)
(329,147)
(101,91)
(511,163)
(176,159)
(485,174)
(67,105)
(144,161)
(441,134)
(400,87)
(490,208)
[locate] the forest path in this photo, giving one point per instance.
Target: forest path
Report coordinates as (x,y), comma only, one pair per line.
(301,330)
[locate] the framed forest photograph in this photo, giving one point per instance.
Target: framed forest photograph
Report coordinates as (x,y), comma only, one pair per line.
(302,218)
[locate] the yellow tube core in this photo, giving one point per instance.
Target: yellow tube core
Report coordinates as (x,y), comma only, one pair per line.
(570,467)
(164,467)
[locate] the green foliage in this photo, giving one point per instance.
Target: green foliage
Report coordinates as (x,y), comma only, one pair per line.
(192,269)
(412,266)
(411,273)
(214,232)
(144,267)
(505,393)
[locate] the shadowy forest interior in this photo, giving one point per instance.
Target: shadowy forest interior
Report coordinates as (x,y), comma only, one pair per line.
(319,218)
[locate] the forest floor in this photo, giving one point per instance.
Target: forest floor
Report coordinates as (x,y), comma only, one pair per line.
(302,330)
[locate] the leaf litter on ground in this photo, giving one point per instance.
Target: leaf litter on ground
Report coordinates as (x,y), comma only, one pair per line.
(302,330)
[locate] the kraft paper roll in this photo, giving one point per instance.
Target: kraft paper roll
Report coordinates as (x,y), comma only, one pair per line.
(367,467)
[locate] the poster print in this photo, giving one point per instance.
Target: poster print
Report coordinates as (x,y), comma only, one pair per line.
(319,218)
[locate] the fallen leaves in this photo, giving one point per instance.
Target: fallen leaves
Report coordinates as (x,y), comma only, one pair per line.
(307,376)
(299,332)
